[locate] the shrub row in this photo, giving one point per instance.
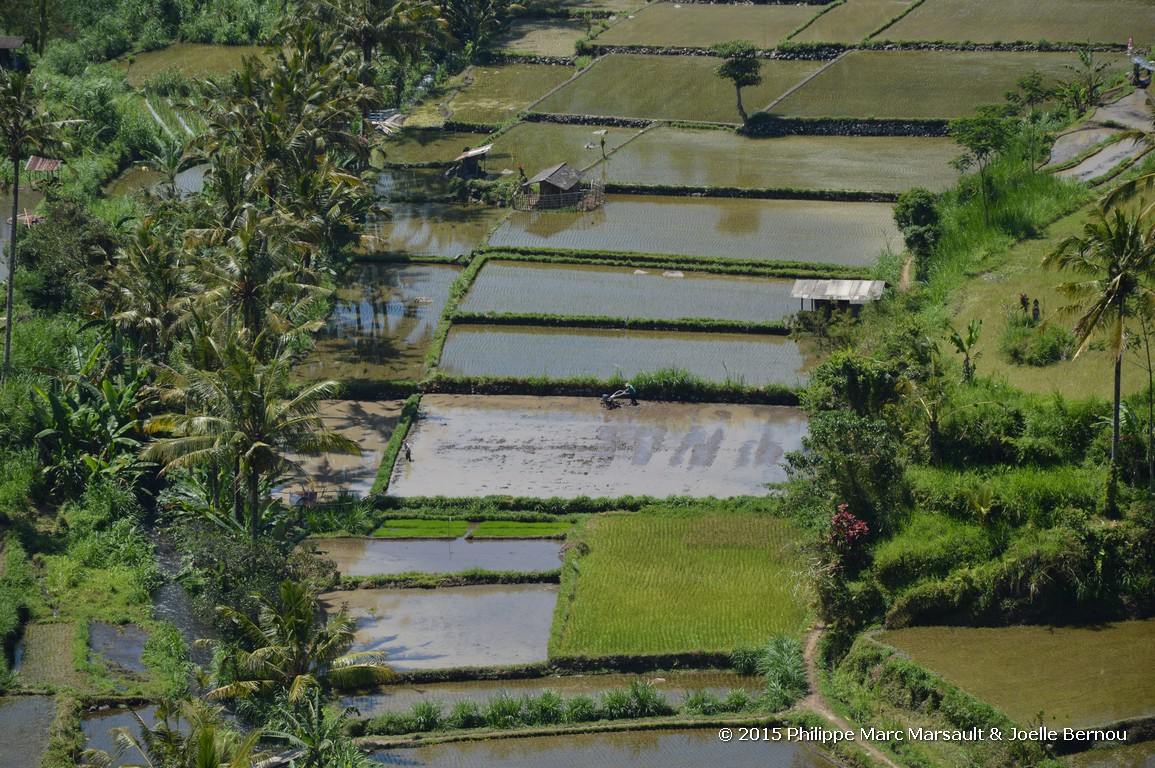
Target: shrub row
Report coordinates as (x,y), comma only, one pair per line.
(437,580)
(1016,494)
(765,124)
(765,193)
(566,119)
(570,321)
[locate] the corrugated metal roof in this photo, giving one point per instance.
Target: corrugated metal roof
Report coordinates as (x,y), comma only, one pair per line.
(562,175)
(37,164)
(853,291)
(10,42)
(473,152)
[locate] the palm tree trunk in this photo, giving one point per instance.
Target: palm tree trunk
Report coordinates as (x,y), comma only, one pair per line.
(1113,472)
(11,270)
(254,505)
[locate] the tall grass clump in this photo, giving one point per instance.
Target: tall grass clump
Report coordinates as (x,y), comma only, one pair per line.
(784,668)
(17,592)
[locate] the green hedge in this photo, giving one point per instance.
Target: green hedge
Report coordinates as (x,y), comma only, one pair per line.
(753,193)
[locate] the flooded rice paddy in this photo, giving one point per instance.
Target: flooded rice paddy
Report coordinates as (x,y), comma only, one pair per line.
(382,322)
(486,625)
(669,88)
(367,422)
(565,289)
(673,685)
(432,229)
(96,726)
(569,447)
(423,145)
(1141,755)
(697,158)
(537,146)
(24,725)
(414,184)
(119,645)
(638,749)
(851,234)
(372,557)
(558,353)
(1076,676)
(141,178)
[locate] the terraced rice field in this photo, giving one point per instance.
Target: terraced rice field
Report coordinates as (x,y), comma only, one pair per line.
(498,92)
(541,37)
(540,145)
(372,557)
(413,146)
(1076,676)
(369,423)
(432,229)
(1064,21)
(395,184)
(637,749)
(916,84)
(700,26)
(852,234)
(565,289)
(665,583)
(487,625)
(24,725)
(193,59)
(559,353)
(1139,755)
(681,157)
(381,324)
(669,88)
(570,446)
(851,21)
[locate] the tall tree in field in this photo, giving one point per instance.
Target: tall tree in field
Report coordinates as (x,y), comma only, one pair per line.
(24,129)
(741,67)
(1115,259)
(983,137)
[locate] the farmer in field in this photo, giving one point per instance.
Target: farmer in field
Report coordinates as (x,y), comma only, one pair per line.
(629,392)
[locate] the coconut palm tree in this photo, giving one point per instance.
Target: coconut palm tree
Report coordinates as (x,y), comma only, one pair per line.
(237,413)
(294,651)
(24,129)
(1115,257)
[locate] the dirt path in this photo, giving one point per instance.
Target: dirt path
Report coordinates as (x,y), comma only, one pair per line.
(816,703)
(906,280)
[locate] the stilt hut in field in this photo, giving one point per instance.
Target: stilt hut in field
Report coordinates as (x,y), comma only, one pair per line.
(470,162)
(561,186)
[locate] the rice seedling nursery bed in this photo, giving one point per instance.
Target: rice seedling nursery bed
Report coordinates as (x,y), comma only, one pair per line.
(671,582)
(788,231)
(419,146)
(551,353)
(537,146)
(422,529)
(570,447)
(576,290)
(669,88)
(498,92)
(541,37)
(1062,21)
(851,21)
(432,229)
(512,529)
(700,26)
(710,158)
(917,84)
(382,322)
(1076,676)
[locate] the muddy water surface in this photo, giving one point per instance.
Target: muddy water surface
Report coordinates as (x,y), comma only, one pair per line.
(637,749)
(96,726)
(452,627)
(370,557)
(673,685)
(368,423)
(433,229)
(120,645)
(24,725)
(382,323)
(567,447)
(1141,755)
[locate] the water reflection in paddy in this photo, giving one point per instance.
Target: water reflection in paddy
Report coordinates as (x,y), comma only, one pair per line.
(452,627)
(24,725)
(432,229)
(637,749)
(120,645)
(673,685)
(369,557)
(382,322)
(96,726)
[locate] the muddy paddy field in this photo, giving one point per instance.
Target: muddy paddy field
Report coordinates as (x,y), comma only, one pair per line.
(567,447)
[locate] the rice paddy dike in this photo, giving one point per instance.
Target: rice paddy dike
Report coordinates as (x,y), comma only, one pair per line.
(504,326)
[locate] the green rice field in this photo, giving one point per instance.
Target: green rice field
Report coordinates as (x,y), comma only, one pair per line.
(700,26)
(852,234)
(666,583)
(696,158)
(498,92)
(1076,676)
(851,21)
(424,145)
(194,59)
(1060,21)
(432,229)
(553,353)
(540,145)
(565,289)
(917,84)
(541,37)
(422,529)
(669,88)
(511,529)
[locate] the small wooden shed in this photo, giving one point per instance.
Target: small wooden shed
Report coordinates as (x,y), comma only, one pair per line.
(558,184)
(837,294)
(9,56)
(471,160)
